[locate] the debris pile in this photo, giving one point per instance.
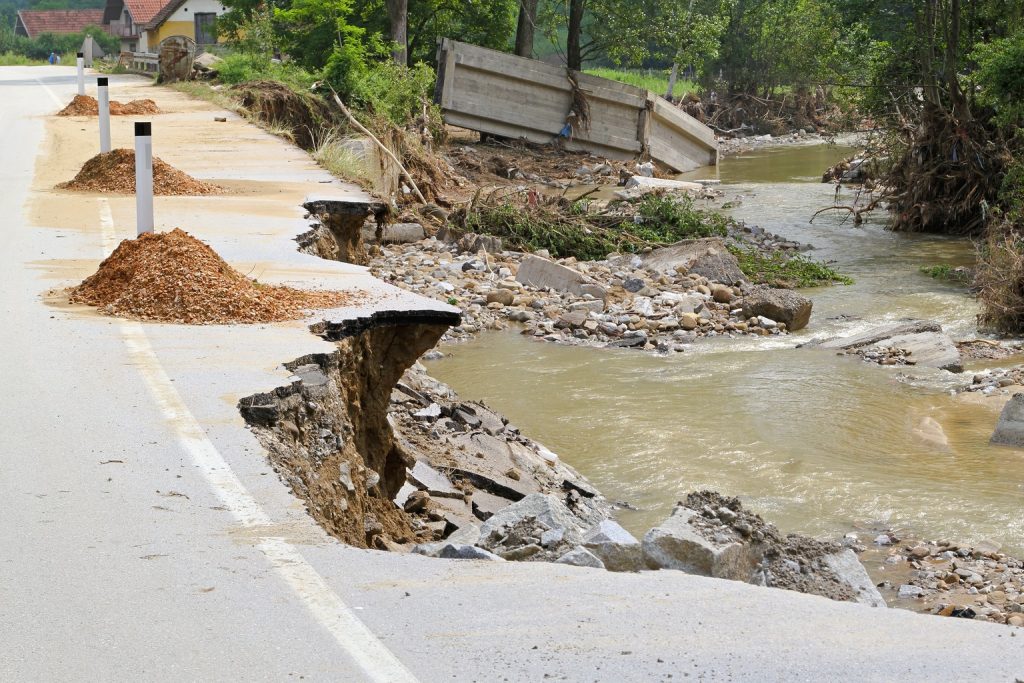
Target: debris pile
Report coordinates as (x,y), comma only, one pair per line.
(713,535)
(114,171)
(84,105)
(173,277)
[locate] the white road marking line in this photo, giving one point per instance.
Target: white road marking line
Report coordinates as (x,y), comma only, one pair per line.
(366,650)
(49,92)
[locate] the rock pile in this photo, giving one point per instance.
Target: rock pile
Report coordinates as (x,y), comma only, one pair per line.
(114,171)
(173,277)
(713,535)
(472,465)
(949,579)
(990,381)
(634,301)
(708,534)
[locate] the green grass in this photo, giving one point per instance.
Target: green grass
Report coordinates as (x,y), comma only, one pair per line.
(649,79)
(779,269)
(13,59)
(204,91)
(330,152)
(945,271)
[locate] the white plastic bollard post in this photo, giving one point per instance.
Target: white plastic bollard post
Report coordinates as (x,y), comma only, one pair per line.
(103,97)
(81,73)
(143,177)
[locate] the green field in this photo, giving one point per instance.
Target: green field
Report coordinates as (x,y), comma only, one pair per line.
(649,79)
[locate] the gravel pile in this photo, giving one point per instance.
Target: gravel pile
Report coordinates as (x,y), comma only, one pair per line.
(114,171)
(84,105)
(173,277)
(645,309)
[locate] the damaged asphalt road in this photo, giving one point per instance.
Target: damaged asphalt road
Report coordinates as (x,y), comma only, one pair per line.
(80,602)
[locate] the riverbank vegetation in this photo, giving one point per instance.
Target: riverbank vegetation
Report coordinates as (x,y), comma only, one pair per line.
(783,270)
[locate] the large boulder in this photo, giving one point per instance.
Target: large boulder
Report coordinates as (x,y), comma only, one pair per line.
(781,305)
(616,547)
(676,544)
(706,257)
(543,273)
(1010,428)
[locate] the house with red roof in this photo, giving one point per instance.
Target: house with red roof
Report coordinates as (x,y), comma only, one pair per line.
(142,24)
(34,22)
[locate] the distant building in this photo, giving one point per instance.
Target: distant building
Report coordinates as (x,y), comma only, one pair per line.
(33,22)
(142,24)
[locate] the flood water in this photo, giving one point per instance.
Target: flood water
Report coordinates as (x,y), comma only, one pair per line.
(816,443)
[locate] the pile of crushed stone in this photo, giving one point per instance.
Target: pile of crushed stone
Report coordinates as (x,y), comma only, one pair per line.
(84,105)
(173,277)
(114,171)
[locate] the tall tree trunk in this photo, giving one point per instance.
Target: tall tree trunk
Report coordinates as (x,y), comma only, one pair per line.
(956,93)
(398,15)
(672,81)
(574,48)
(524,30)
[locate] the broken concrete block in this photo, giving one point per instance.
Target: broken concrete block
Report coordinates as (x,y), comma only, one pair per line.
(581,557)
(541,273)
(402,233)
(780,305)
(1010,428)
(546,509)
(431,412)
(465,535)
(674,544)
(648,184)
(707,257)
(616,547)
(927,349)
(928,345)
(455,551)
(851,572)
(429,479)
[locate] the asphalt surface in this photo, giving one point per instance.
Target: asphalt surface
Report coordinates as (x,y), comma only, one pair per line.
(144,537)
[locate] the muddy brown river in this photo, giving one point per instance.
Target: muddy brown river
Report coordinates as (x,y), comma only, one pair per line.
(816,443)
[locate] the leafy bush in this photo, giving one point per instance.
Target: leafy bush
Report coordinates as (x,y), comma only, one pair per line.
(945,271)
(393,91)
(1000,77)
(241,67)
(780,269)
(670,218)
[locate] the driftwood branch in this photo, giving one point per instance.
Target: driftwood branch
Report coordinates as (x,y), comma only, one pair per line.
(363,129)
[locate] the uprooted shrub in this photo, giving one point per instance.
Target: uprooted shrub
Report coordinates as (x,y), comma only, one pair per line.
(574,228)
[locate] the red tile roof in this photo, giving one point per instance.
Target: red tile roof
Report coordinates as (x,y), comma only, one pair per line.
(143,11)
(38,21)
